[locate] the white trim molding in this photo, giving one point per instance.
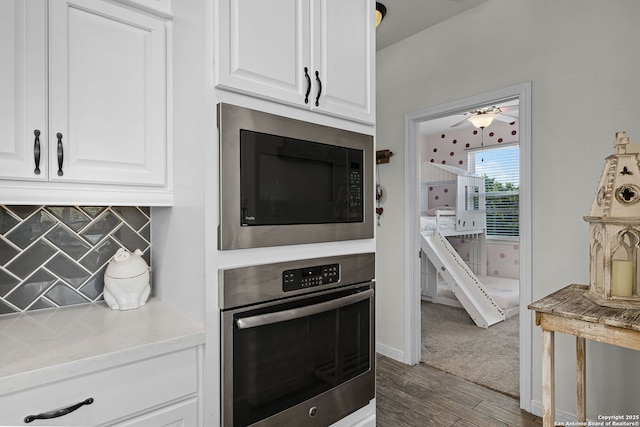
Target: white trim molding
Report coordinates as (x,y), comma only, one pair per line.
(522,92)
(390,352)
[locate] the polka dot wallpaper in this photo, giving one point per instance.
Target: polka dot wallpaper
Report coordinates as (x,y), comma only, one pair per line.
(503,257)
(442,195)
(450,148)
(503,260)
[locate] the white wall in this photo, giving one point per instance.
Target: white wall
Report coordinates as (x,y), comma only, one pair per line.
(178,238)
(581,57)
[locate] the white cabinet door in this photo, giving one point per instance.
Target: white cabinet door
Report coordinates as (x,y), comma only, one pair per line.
(343,56)
(23,78)
(315,54)
(263,48)
(182,414)
(107,94)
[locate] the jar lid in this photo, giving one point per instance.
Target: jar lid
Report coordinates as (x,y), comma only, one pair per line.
(124,264)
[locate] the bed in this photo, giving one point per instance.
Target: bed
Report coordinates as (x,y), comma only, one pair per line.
(452,203)
(452,200)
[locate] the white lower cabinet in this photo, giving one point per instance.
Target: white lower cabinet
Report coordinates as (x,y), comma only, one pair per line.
(160,391)
(181,414)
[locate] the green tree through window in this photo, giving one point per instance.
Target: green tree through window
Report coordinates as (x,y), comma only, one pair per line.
(500,167)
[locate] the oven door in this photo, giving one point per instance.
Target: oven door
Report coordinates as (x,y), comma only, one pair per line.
(307,360)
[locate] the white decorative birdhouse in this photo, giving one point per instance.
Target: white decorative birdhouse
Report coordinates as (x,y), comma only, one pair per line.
(614,229)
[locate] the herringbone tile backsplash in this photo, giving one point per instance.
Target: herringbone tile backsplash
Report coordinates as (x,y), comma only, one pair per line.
(52,256)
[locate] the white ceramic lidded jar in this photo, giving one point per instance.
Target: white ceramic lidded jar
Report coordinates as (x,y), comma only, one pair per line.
(126,280)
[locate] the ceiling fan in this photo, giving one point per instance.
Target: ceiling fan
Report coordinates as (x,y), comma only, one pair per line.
(482,117)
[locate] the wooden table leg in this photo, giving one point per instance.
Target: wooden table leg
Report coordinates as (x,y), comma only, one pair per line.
(548,379)
(581,378)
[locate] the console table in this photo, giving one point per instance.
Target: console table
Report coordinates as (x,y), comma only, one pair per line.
(568,311)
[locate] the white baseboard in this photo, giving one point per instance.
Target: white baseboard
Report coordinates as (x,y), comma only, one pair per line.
(562,417)
(390,352)
(448,301)
(513,311)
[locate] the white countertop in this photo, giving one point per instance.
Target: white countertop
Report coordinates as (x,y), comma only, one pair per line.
(48,345)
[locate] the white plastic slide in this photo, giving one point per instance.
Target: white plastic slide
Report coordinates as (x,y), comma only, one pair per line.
(465,285)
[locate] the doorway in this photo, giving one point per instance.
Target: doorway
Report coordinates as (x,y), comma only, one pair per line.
(483,142)
(413,344)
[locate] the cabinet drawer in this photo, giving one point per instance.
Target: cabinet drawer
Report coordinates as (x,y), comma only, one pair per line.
(182,414)
(117,393)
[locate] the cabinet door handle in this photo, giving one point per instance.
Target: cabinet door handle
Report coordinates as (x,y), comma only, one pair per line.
(57,412)
(306,95)
(36,151)
(60,154)
(319,88)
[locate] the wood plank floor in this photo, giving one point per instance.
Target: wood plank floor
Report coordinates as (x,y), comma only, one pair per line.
(419,395)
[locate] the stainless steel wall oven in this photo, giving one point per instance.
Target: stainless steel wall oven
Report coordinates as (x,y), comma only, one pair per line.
(285,181)
(297,341)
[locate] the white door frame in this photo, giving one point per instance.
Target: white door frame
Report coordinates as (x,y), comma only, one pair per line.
(412,350)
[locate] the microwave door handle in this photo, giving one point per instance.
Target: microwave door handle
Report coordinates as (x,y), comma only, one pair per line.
(296,313)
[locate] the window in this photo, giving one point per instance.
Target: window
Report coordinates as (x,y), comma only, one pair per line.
(501,168)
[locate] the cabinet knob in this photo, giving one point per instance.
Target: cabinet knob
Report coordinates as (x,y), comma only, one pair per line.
(60,154)
(58,412)
(306,95)
(36,151)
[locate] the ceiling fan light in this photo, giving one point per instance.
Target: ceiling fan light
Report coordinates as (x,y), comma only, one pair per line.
(381,11)
(482,120)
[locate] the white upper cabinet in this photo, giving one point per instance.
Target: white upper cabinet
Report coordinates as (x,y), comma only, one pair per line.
(23,82)
(315,54)
(343,57)
(100,74)
(107,93)
(263,47)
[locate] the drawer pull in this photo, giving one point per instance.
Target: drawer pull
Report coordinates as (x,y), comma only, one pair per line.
(58,412)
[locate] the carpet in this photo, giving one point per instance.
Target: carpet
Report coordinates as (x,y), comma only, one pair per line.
(453,343)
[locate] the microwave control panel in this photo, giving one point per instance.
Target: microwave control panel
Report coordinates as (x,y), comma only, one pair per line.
(355,181)
(307,277)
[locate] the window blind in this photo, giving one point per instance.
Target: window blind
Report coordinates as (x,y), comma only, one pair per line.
(501,168)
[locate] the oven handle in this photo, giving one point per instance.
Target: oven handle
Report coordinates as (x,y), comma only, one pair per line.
(296,313)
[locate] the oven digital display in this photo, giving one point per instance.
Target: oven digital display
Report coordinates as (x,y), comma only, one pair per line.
(307,277)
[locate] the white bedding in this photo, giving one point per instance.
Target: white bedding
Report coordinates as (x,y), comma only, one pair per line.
(428,223)
(505,292)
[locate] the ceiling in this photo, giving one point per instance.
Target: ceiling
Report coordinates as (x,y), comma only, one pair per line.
(444,124)
(407,17)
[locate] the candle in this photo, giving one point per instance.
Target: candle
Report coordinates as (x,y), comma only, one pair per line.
(622,278)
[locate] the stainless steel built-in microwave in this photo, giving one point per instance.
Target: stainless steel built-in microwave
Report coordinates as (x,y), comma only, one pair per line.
(287,182)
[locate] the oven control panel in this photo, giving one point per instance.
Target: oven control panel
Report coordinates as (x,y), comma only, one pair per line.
(307,277)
